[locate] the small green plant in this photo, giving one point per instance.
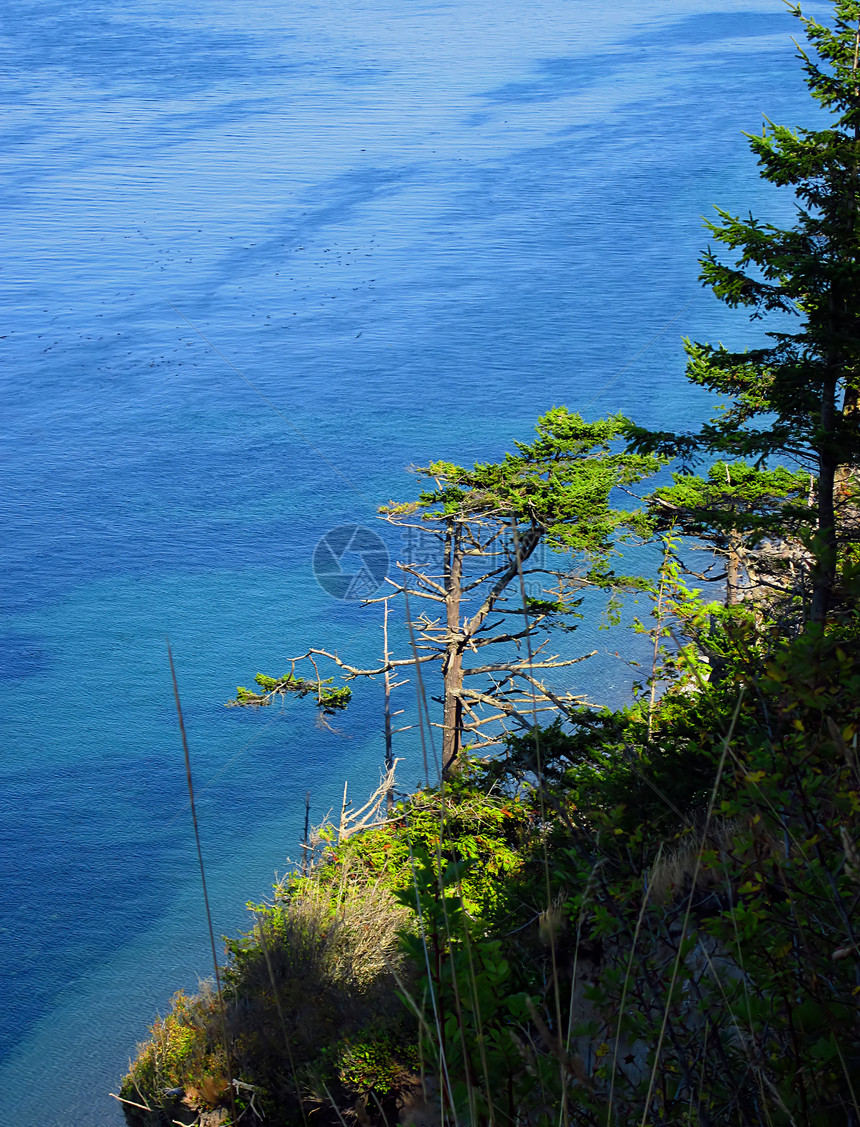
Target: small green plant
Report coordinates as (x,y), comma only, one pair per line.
(373,1063)
(328,700)
(467,996)
(184,1044)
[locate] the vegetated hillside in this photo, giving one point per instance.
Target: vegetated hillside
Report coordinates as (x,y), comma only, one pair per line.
(633,917)
(663,925)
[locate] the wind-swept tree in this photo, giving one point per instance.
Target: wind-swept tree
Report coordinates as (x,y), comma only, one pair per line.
(485,524)
(750,517)
(797,397)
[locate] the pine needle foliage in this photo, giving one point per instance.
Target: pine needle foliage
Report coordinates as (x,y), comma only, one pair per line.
(798,396)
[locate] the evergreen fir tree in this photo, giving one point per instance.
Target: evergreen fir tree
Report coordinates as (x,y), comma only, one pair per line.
(736,509)
(797,397)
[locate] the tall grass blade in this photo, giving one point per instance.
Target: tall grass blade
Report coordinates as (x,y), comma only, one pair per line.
(423,709)
(623,1001)
(221,1010)
(563,1111)
(264,943)
(695,877)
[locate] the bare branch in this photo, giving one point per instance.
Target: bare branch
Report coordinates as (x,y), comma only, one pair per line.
(410,569)
(561,702)
(474,643)
(384,668)
(518,667)
(527,546)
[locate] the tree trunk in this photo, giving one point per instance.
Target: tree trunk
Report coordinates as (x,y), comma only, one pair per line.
(389,746)
(459,634)
(824,568)
(825,549)
(452,666)
(733,569)
(835,471)
(452,711)
(844,479)
(845,473)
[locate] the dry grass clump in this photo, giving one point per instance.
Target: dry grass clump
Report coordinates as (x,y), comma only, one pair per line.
(182,1044)
(355,921)
(316,973)
(672,875)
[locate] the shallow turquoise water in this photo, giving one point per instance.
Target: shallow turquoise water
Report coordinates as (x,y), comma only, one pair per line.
(412,227)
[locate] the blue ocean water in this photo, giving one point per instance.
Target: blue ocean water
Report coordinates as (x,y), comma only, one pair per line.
(258,260)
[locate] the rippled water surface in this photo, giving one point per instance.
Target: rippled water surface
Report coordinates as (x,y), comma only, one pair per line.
(257,260)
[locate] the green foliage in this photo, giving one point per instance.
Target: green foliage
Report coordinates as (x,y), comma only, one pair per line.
(652,909)
(488,521)
(468,982)
(375,1062)
(315,975)
(328,700)
(184,1046)
(734,497)
(487,831)
(561,482)
(729,987)
(797,396)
